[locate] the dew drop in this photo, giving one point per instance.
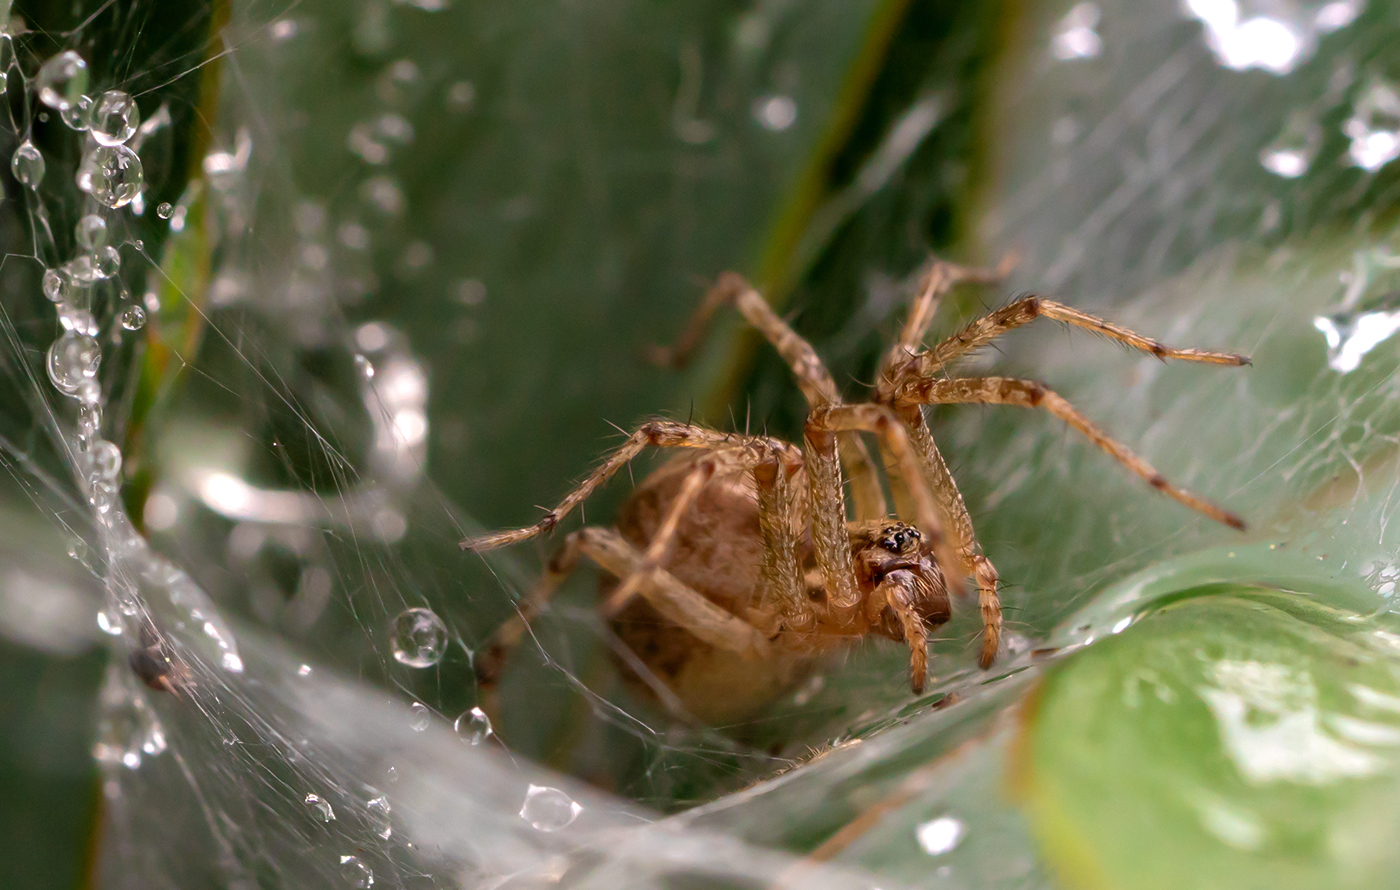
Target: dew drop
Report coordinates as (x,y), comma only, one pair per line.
(75,318)
(422,717)
(941,835)
(549,809)
(776,113)
(320,807)
(111,174)
(419,638)
(91,232)
(73,358)
(133,317)
(1292,152)
(106,262)
(379,816)
(114,118)
(356,873)
(165,210)
(56,285)
(473,726)
(78,114)
(102,461)
(1374,126)
(78,550)
(27,165)
(62,79)
(127,728)
(82,270)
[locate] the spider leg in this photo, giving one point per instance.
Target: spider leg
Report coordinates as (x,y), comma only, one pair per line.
(656,433)
(940,278)
(771,472)
(945,489)
(675,600)
(812,375)
(492,659)
(897,591)
(1023,311)
(894,439)
(1029,394)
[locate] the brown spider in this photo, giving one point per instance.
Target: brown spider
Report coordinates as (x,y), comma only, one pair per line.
(736,563)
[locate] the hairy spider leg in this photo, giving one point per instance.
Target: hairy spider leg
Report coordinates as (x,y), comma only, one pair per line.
(813,378)
(749,457)
(940,278)
(1030,394)
(1024,311)
(656,433)
(895,442)
(915,634)
(950,499)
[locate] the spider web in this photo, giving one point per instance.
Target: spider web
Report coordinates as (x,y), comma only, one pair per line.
(264,479)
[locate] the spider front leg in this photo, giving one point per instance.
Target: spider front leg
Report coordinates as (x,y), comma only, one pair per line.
(1029,394)
(1024,311)
(811,374)
(894,440)
(940,278)
(656,433)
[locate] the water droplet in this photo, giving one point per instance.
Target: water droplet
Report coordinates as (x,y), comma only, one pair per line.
(77,319)
(304,671)
(82,270)
(78,115)
(133,317)
(419,638)
(89,422)
(776,113)
(384,193)
(111,174)
(356,873)
(110,623)
(78,550)
(549,809)
(320,807)
(73,358)
(379,816)
(165,210)
(102,461)
(474,726)
(422,716)
(106,262)
(1374,126)
(62,79)
(127,728)
(941,835)
(1075,37)
(91,232)
(56,285)
(114,118)
(27,165)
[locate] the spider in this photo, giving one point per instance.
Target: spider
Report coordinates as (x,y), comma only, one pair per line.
(733,566)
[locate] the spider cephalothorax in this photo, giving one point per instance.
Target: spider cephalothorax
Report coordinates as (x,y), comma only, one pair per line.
(737,562)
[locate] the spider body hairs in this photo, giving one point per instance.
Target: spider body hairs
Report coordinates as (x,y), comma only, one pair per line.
(734,566)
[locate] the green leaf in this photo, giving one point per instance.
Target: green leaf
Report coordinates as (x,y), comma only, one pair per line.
(1239,737)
